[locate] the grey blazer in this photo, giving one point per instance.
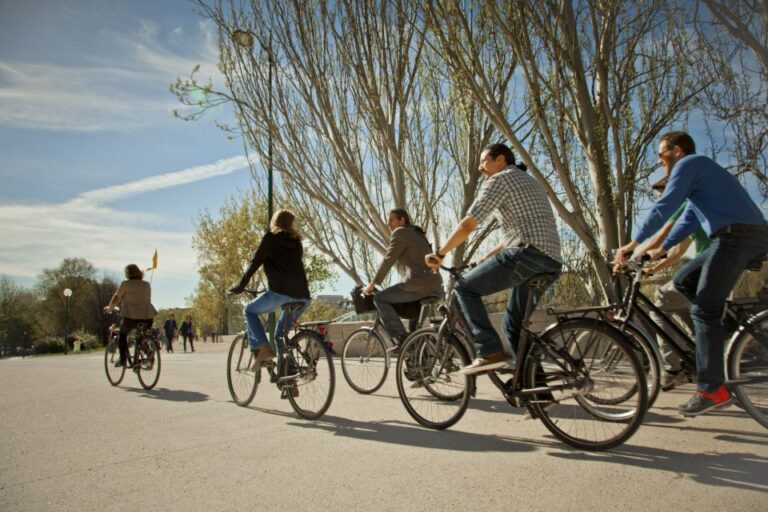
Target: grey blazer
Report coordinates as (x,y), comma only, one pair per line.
(407,248)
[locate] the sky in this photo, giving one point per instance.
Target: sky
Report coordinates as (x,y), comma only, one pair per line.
(93,163)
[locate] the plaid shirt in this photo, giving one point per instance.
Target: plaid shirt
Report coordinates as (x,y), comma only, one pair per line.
(522,210)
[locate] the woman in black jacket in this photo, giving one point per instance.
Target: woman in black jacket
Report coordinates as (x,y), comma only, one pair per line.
(281,252)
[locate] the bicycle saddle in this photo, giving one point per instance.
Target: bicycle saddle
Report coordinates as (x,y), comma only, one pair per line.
(429,300)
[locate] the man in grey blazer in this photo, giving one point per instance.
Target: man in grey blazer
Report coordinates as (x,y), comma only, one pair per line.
(407,249)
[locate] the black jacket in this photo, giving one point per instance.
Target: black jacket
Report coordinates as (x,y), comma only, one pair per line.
(281,256)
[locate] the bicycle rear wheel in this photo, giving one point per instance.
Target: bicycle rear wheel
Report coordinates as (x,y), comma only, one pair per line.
(429,387)
(146,361)
(748,368)
(114,373)
(364,361)
(596,394)
(309,362)
(240,378)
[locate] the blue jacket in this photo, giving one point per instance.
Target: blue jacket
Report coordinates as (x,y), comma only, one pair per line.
(715,199)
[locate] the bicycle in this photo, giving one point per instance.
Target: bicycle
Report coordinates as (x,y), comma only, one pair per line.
(646,348)
(365,356)
(746,353)
(567,376)
(303,370)
(145,360)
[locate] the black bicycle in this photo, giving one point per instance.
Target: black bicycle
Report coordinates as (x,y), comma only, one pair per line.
(746,353)
(303,370)
(580,377)
(641,339)
(145,360)
(366,356)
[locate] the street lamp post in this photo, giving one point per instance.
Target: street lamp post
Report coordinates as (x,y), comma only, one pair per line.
(246,39)
(67,296)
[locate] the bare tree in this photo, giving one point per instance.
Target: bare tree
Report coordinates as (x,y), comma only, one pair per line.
(601,82)
(733,39)
(365,117)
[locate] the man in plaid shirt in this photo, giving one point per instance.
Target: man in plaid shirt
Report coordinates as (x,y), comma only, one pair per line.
(530,246)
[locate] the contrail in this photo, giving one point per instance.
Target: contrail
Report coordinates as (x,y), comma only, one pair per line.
(153,183)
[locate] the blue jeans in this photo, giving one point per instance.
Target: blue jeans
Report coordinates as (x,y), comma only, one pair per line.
(266,303)
(396,295)
(707,280)
(509,269)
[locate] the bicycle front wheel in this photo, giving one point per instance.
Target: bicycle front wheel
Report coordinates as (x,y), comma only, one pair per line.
(748,368)
(364,361)
(429,387)
(647,351)
(593,391)
(114,373)
(240,378)
(147,363)
(308,377)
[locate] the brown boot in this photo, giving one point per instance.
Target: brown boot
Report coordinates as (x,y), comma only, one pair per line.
(264,353)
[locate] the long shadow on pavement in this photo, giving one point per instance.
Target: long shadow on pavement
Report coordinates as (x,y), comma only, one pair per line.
(172,395)
(736,470)
(395,432)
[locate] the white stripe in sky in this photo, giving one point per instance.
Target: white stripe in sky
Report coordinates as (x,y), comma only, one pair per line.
(153,183)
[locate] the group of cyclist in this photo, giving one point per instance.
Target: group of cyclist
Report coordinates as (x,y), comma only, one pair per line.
(698,199)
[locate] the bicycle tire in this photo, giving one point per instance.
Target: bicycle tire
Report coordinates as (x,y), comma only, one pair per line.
(647,351)
(747,357)
(420,401)
(568,413)
(365,360)
(650,358)
(241,380)
(426,358)
(114,373)
(309,354)
(147,360)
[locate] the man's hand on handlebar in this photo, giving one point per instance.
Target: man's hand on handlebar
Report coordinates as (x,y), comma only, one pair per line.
(622,254)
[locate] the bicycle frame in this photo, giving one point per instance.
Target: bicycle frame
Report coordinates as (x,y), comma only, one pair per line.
(740,312)
(512,389)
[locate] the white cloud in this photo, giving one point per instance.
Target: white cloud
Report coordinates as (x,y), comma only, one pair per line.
(40,236)
(125,91)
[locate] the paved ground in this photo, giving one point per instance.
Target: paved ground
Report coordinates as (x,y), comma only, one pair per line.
(71,442)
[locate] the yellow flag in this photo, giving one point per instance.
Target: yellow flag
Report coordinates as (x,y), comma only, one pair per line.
(154,262)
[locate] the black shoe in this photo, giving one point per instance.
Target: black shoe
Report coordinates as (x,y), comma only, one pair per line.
(397,342)
(702,402)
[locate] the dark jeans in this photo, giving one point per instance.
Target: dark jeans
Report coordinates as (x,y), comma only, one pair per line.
(509,269)
(190,338)
(707,280)
(126,326)
(169,340)
(396,295)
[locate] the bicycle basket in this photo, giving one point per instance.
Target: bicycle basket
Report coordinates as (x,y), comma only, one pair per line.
(362,304)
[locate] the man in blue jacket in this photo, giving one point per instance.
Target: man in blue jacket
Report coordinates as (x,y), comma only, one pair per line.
(721,206)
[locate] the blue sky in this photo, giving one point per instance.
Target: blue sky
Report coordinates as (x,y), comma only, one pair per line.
(92,162)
